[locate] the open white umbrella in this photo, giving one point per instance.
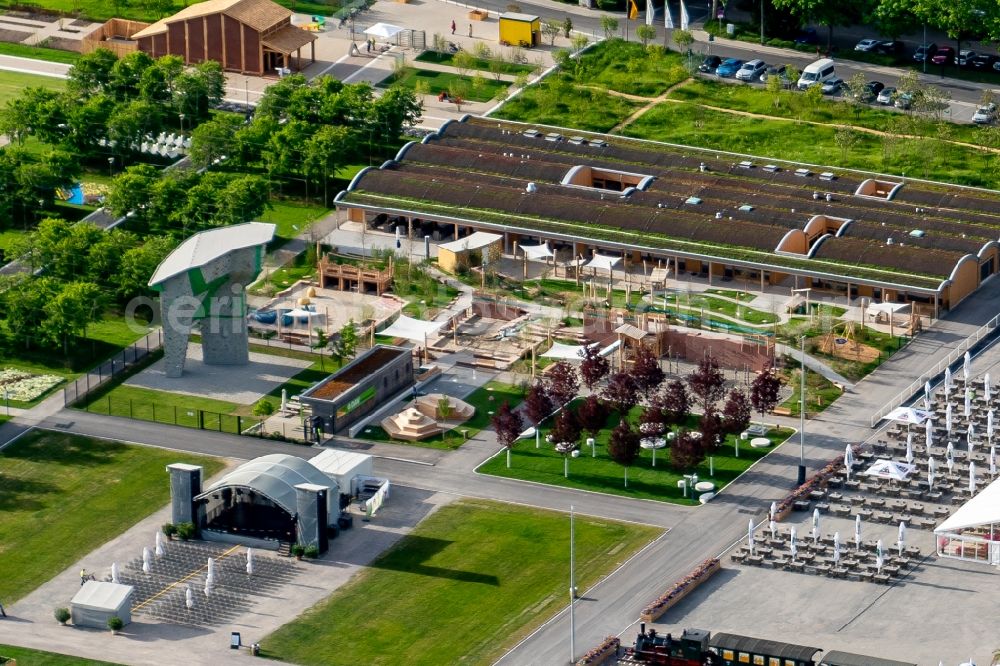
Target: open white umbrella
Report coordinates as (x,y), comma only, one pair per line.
(902,537)
(210,577)
(950,457)
(968,403)
(929,433)
(159,544)
(857,532)
(750,536)
(836,548)
(947,419)
(146,556)
(993,461)
(909,449)
(188,598)
(931,468)
(986,387)
(815,525)
(967,367)
(114,573)
(773,526)
(972,478)
(792,548)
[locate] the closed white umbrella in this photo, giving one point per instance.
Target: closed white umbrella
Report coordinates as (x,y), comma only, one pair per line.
(848,461)
(947,382)
(879,549)
(972,478)
(284,400)
(750,536)
(773,513)
(792,548)
(909,449)
(986,387)
(929,433)
(114,573)
(969,435)
(927,391)
(902,537)
(931,467)
(967,367)
(950,457)
(208,588)
(815,525)
(993,461)
(968,403)
(774,528)
(857,532)
(159,544)
(188,598)
(210,577)
(879,562)
(836,548)
(249,561)
(146,556)
(947,419)
(989,426)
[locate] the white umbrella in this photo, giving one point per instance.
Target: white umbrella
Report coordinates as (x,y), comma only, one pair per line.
(967,367)
(774,528)
(989,426)
(208,588)
(146,556)
(792,548)
(931,467)
(879,562)
(159,544)
(902,537)
(909,449)
(815,525)
(773,512)
(927,392)
(972,478)
(836,548)
(969,434)
(857,532)
(879,549)
(968,403)
(993,461)
(947,381)
(750,536)
(249,561)
(986,387)
(950,457)
(929,433)
(114,573)
(947,418)
(210,577)
(284,400)
(188,598)
(848,461)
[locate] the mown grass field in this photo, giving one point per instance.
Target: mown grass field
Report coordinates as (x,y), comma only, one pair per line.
(12,83)
(30,657)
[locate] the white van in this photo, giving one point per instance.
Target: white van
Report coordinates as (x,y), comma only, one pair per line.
(818,72)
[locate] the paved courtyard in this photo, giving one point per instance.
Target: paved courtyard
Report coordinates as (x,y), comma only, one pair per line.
(242,384)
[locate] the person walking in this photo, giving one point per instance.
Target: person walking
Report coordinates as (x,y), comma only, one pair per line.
(453,26)
(83,577)
(3,613)
(470,30)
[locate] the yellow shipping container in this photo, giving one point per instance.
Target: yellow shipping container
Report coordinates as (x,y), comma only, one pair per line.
(519,29)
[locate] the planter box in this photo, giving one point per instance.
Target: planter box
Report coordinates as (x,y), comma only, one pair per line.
(651,614)
(477,15)
(601,653)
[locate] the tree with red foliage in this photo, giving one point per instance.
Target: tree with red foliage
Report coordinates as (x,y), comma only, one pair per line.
(675,401)
(566,428)
(621,393)
(562,383)
(764,391)
(712,431)
(646,370)
(594,367)
(707,383)
(592,415)
(508,426)
(736,412)
(686,452)
(623,446)
(537,404)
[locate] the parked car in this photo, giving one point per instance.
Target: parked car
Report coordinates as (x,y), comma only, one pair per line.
(886,96)
(924,52)
(903,100)
(870,92)
(986,113)
(867,45)
(780,71)
(808,36)
(964,56)
(833,86)
(709,64)
(890,47)
(729,67)
(751,70)
(944,56)
(981,61)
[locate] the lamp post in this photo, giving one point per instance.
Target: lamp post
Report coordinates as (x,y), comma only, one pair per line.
(572,592)
(802,413)
(181,117)
(111,166)
(762,22)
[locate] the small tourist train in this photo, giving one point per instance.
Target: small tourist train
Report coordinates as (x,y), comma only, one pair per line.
(697,647)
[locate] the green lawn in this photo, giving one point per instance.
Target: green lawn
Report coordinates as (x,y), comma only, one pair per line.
(292,217)
(485,399)
(820,392)
(555,102)
(453,84)
(602,474)
(12,83)
(102,10)
(30,657)
(466,585)
(65,495)
(627,67)
(171,408)
(478,63)
(733,294)
(730,309)
(39,53)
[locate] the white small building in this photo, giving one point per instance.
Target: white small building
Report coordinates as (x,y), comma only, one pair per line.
(344,468)
(98,601)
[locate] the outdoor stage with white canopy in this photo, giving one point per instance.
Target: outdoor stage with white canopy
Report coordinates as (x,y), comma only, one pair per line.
(970,533)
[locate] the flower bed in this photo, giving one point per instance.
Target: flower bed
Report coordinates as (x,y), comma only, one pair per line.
(24,386)
(681,589)
(814,482)
(600,653)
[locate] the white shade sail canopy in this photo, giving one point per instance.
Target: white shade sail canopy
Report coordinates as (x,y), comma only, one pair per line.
(537,252)
(982,509)
(384,30)
(603,262)
(909,415)
(888,307)
(890,469)
(571,352)
(474,241)
(412,329)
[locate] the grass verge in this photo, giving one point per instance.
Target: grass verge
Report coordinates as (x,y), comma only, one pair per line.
(31,657)
(39,53)
(65,495)
(473,89)
(467,584)
(13,83)
(478,63)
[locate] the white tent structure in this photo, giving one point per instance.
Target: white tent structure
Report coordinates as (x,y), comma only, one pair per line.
(97,601)
(909,415)
(537,252)
(344,467)
(415,330)
(890,469)
(384,30)
(562,352)
(603,262)
(970,533)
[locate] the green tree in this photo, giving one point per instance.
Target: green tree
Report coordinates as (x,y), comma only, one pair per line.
(683,39)
(609,24)
(325,152)
(68,313)
(215,138)
(126,74)
(24,301)
(645,33)
(846,139)
(87,124)
(131,122)
(132,191)
(91,74)
(243,199)
(138,264)
(829,13)
(394,110)
(348,339)
(567,27)
(552,28)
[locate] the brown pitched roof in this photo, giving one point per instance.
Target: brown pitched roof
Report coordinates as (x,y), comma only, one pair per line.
(288,39)
(260,15)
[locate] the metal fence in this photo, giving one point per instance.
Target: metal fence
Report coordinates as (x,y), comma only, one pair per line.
(120,363)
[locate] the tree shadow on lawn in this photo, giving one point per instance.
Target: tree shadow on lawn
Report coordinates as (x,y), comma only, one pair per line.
(419,549)
(23,494)
(59,448)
